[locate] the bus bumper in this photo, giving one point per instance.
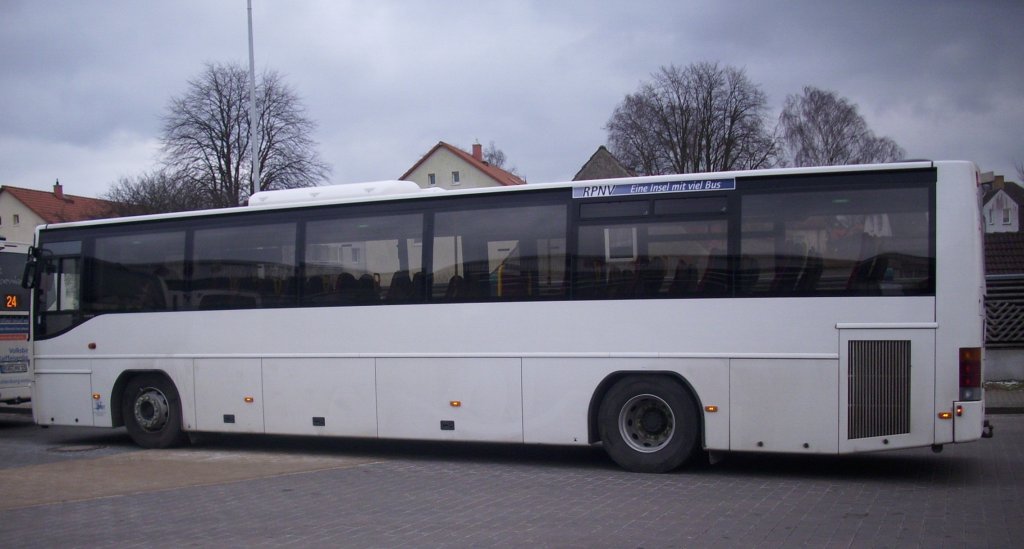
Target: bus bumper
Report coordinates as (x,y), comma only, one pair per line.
(969,421)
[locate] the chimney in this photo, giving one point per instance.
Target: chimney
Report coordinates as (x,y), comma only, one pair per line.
(478,151)
(58,191)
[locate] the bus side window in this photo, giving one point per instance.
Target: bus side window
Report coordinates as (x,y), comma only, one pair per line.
(513,253)
(136,272)
(63,281)
(244,267)
(665,259)
(364,260)
(58,295)
(840,242)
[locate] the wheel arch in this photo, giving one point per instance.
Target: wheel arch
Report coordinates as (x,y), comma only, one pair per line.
(593,432)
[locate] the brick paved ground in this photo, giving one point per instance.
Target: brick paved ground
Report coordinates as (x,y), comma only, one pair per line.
(425,495)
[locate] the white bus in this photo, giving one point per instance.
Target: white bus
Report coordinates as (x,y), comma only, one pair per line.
(15,367)
(811,311)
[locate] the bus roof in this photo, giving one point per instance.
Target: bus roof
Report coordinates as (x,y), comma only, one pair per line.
(379,191)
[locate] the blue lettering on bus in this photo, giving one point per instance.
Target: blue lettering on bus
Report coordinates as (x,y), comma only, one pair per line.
(633,189)
(593,191)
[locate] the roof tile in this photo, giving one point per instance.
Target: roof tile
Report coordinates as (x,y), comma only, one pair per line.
(54,209)
(1004,253)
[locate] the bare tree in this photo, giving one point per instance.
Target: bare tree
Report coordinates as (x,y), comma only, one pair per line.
(1020,170)
(820,128)
(632,135)
(699,118)
(206,137)
(154,192)
(496,157)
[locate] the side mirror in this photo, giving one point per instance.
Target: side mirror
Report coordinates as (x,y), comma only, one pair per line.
(29,277)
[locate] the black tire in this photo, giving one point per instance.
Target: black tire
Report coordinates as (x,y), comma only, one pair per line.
(151,409)
(649,424)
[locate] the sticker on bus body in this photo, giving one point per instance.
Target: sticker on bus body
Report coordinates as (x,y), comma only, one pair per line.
(14,328)
(633,189)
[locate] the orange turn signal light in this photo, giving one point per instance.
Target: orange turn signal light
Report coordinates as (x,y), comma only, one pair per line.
(455,403)
(711,409)
(249,400)
(945,415)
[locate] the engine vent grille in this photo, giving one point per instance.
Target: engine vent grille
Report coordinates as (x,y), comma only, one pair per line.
(879,388)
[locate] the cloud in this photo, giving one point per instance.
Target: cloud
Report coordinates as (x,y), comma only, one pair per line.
(84,170)
(386,80)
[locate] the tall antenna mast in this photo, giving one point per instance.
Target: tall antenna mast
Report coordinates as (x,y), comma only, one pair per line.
(253,120)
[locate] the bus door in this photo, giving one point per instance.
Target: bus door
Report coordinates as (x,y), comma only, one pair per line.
(62,387)
(55,273)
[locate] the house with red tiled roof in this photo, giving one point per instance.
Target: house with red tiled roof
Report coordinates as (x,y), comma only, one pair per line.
(1002,209)
(21,210)
(448,167)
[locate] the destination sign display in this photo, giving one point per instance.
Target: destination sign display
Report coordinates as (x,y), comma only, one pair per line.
(633,189)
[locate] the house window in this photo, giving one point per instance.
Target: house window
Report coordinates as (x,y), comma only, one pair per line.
(1006,216)
(17,219)
(455,178)
(432,179)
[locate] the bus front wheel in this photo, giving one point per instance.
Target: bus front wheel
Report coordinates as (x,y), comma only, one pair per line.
(648,424)
(151,409)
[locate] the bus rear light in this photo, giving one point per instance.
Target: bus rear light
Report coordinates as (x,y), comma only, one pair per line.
(970,373)
(959,410)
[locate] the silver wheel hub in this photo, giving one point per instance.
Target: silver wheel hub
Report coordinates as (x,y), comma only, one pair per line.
(646,423)
(151,409)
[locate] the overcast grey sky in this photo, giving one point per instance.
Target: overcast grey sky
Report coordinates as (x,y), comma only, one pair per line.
(85,83)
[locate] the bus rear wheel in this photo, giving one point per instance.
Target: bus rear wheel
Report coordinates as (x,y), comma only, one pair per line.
(151,409)
(648,424)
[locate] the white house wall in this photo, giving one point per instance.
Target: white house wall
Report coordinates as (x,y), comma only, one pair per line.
(996,221)
(27,220)
(442,163)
